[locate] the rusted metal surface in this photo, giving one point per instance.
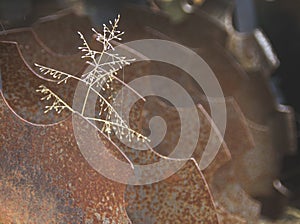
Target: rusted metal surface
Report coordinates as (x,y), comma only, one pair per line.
(55,148)
(249,89)
(182,198)
(34,51)
(248,85)
(45,179)
(169,114)
(227,184)
(222,176)
(56,145)
(19,84)
(59,32)
(235,80)
(190,32)
(259,45)
(253,136)
(227,218)
(253,49)
(230,76)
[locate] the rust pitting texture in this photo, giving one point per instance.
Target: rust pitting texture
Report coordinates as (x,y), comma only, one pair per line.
(182,198)
(221,174)
(156,202)
(256,103)
(21,77)
(226,186)
(44,168)
(156,107)
(35,51)
(19,84)
(101,198)
(250,89)
(27,193)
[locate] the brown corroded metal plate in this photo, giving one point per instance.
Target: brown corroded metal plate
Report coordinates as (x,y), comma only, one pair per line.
(19,81)
(182,198)
(226,186)
(19,84)
(156,107)
(234,80)
(56,143)
(45,179)
(254,111)
(221,175)
(249,87)
(35,51)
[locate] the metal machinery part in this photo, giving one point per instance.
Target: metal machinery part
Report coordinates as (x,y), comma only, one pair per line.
(259,133)
(51,149)
(248,85)
(77,193)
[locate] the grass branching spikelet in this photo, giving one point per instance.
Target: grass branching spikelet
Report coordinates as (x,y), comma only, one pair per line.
(103,68)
